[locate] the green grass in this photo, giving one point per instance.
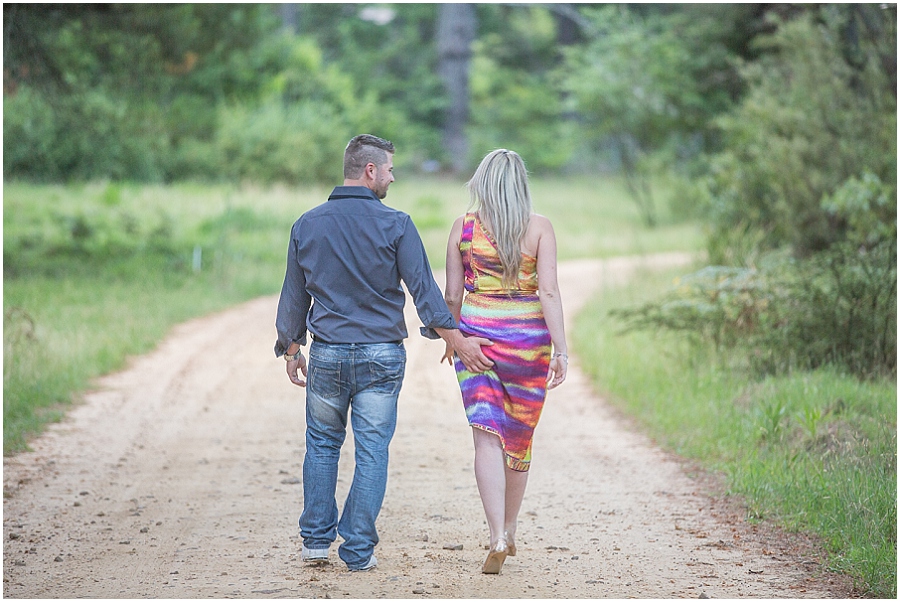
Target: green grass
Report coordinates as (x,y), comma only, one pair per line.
(94,273)
(591,217)
(812,451)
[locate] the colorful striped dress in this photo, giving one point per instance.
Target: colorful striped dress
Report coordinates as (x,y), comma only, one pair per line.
(506,400)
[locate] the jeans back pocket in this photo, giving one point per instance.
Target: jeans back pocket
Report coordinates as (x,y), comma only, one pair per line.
(386,372)
(325,379)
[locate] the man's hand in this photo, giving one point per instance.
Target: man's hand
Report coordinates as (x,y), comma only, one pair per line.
(469,351)
(293,366)
(448,354)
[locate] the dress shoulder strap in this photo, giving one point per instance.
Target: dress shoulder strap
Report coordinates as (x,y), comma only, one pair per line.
(468,228)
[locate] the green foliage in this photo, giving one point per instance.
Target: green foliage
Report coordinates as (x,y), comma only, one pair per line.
(838,307)
(93,99)
(631,85)
(80,137)
(275,143)
(515,107)
(633,79)
(866,208)
(299,130)
(811,123)
(520,111)
(29,133)
(808,171)
(647,84)
(394,60)
(716,305)
(812,451)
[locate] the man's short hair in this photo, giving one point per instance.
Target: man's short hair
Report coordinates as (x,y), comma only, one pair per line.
(362,150)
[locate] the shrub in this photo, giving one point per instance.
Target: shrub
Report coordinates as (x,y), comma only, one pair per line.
(82,137)
(811,121)
(277,143)
(838,307)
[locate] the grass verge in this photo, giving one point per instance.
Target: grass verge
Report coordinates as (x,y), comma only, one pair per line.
(812,451)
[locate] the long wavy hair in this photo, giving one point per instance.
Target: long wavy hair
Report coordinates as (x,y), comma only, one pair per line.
(499,191)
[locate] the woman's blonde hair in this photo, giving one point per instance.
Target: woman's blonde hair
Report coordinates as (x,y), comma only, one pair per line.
(499,191)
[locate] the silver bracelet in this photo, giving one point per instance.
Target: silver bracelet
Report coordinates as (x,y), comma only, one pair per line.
(565,356)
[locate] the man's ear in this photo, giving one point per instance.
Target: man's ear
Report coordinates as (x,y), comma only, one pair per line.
(371,170)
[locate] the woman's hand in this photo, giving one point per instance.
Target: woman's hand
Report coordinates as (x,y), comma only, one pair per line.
(559,365)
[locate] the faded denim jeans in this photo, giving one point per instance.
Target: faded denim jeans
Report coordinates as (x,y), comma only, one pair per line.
(362,380)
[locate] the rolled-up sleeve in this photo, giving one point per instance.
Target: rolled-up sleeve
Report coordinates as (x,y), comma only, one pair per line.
(415,272)
(293,305)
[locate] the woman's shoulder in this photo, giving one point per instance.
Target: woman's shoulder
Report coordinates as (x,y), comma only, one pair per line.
(457,227)
(459,220)
(540,222)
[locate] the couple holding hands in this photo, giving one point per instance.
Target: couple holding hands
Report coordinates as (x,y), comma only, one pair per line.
(500,317)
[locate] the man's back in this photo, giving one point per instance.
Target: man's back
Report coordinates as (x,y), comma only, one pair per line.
(349,255)
(347,249)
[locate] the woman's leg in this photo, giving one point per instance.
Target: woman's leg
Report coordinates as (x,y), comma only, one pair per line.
(515,491)
(490,474)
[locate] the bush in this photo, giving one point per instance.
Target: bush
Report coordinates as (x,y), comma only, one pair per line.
(811,121)
(281,143)
(29,136)
(83,137)
(838,307)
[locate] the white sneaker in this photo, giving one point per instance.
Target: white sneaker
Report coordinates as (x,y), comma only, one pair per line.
(368,566)
(317,555)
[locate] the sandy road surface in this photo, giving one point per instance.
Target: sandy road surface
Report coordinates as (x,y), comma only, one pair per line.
(180,478)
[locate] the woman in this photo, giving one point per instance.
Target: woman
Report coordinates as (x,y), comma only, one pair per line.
(504,256)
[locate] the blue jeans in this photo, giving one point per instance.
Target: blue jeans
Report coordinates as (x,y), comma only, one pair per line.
(362,380)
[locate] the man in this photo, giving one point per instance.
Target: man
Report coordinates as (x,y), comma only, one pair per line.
(345,261)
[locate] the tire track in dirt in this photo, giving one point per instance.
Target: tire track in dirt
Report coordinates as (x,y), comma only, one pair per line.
(179,477)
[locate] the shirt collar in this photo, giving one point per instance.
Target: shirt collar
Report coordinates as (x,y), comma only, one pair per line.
(352,192)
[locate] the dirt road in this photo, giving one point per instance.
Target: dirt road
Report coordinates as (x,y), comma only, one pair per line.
(180,478)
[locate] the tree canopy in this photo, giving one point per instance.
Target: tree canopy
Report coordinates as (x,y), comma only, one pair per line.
(785,113)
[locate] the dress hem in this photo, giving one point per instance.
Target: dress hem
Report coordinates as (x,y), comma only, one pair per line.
(511,461)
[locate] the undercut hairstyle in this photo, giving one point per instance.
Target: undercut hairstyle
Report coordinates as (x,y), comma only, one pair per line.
(499,191)
(362,150)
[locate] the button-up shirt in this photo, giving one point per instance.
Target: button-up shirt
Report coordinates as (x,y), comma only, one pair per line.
(345,261)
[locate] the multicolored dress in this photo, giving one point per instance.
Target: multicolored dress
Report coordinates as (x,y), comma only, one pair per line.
(506,400)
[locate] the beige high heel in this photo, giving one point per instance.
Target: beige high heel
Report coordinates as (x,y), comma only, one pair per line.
(496,558)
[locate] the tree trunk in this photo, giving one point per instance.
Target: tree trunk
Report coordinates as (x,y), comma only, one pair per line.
(567,28)
(290,17)
(637,183)
(456,25)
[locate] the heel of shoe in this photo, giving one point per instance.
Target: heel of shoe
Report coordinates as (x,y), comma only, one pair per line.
(496,558)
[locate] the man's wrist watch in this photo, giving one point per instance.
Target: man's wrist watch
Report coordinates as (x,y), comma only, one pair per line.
(296,356)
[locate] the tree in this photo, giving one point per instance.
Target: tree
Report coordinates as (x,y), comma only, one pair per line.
(515,101)
(456,28)
(811,122)
(650,79)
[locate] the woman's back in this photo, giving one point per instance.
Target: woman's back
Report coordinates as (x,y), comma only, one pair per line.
(481,259)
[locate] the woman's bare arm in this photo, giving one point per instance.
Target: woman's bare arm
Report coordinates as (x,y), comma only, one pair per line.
(551,302)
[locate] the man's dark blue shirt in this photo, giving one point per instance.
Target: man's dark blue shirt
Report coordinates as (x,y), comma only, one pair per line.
(346,259)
